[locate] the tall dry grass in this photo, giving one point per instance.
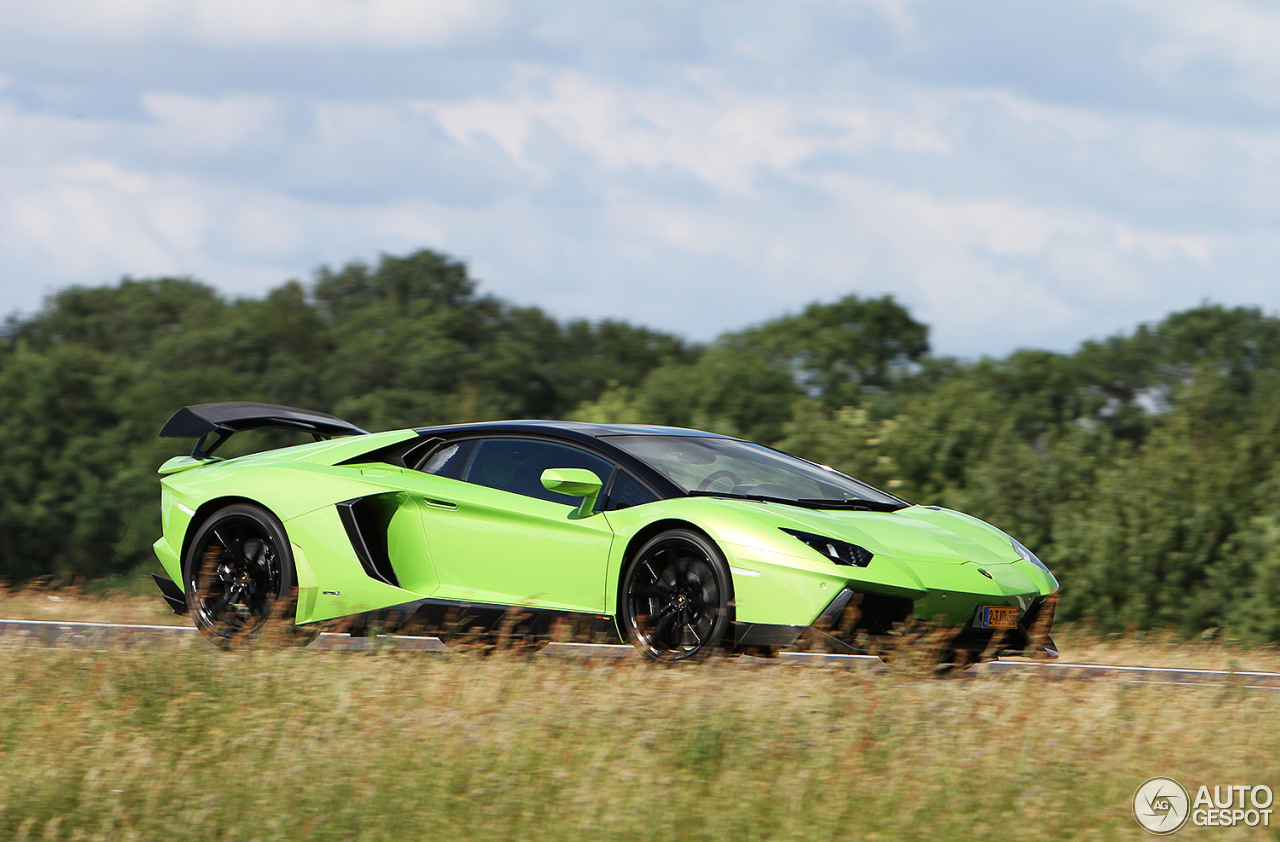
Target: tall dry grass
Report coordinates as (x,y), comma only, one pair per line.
(140,603)
(191,743)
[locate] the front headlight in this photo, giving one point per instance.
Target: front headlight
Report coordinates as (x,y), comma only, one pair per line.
(1027,555)
(841,552)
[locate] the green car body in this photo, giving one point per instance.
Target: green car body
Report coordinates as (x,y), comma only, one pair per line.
(368,531)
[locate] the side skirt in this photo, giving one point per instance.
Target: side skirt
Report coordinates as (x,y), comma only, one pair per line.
(460,621)
(457,620)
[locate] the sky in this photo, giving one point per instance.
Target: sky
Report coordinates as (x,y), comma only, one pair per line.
(1017,174)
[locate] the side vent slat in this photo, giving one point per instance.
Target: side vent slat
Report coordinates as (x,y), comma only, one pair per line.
(368,538)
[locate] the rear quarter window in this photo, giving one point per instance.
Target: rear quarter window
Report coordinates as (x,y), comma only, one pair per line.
(448,460)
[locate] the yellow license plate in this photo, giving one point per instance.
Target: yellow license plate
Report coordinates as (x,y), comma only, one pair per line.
(997,617)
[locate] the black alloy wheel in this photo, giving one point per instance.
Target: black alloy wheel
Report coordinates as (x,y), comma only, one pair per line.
(676,597)
(239,577)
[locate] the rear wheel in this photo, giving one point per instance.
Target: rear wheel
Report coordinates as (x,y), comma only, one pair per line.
(675,597)
(239,579)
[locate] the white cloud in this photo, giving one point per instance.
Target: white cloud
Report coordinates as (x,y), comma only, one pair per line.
(1197,36)
(717,133)
(238,23)
(198,127)
(264,228)
(89,213)
(698,183)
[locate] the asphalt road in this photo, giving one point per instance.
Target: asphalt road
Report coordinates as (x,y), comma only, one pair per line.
(44,634)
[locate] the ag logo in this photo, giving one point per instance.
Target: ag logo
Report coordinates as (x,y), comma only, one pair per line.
(1161,806)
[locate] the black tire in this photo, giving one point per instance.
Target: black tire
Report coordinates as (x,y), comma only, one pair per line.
(239,580)
(676,596)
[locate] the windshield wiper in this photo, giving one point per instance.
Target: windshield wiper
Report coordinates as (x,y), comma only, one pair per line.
(856,505)
(759,498)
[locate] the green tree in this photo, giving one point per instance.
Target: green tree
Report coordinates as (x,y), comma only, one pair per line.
(838,351)
(725,390)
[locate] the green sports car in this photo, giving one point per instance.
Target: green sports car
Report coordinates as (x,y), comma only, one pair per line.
(678,541)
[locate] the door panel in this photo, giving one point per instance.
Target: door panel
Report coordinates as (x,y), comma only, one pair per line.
(500,536)
(505,548)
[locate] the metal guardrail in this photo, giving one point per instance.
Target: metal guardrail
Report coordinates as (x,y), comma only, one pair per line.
(51,633)
(102,636)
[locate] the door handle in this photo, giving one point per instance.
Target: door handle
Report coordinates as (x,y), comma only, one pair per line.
(439,504)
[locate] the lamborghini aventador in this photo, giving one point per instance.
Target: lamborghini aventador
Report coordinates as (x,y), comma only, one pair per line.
(679,541)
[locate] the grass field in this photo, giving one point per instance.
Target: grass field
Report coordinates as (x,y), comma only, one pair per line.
(191,743)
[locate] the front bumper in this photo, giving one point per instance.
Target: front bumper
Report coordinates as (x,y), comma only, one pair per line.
(863,623)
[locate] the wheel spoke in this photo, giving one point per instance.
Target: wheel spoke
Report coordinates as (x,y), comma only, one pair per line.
(225,599)
(214,572)
(705,622)
(699,574)
(682,566)
(662,631)
(664,610)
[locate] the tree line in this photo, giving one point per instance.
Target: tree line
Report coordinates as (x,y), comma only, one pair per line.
(1142,468)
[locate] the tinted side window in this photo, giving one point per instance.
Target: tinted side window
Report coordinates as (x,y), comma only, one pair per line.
(449,460)
(517,464)
(627,492)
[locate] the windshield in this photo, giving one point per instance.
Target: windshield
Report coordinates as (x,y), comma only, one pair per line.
(737,468)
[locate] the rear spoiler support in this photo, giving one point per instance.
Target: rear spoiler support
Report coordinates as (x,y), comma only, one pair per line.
(223,420)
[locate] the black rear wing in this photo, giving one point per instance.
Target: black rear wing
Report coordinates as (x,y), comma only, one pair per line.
(226,419)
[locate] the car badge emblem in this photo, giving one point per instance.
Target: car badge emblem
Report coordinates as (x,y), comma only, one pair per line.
(985,573)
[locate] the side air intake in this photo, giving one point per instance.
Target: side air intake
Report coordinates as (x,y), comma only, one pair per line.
(366,520)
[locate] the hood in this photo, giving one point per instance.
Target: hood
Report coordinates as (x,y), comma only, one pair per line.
(916,533)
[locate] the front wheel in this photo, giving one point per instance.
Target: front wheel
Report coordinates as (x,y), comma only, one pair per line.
(676,597)
(239,577)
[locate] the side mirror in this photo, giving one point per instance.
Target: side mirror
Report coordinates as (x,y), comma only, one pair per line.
(576,482)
